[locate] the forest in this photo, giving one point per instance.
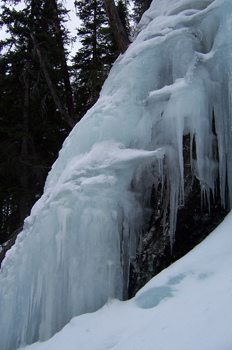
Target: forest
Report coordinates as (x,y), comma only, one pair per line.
(45,91)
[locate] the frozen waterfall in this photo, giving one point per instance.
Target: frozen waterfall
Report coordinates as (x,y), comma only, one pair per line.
(74,252)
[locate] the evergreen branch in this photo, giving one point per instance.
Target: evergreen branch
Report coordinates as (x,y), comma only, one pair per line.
(66,117)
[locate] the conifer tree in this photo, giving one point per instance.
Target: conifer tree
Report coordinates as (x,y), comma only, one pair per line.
(31,128)
(139,7)
(99,50)
(89,62)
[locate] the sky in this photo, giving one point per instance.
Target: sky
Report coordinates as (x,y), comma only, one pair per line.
(72,24)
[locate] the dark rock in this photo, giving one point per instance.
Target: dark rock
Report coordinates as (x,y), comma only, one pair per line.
(195,220)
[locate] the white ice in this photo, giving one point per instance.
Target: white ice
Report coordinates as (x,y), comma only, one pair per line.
(74,252)
(187,306)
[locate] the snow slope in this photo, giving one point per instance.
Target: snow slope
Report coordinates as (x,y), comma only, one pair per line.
(188,306)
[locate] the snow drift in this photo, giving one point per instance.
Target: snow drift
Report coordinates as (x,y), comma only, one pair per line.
(74,251)
(186,306)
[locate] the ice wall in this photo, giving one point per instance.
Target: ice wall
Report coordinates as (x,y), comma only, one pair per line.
(74,251)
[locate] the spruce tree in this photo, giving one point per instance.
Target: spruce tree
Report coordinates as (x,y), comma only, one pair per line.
(31,128)
(139,7)
(92,62)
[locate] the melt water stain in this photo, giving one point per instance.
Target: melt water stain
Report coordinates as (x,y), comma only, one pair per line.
(177,279)
(153,297)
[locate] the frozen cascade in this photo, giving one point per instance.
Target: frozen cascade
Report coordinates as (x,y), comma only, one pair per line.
(73,254)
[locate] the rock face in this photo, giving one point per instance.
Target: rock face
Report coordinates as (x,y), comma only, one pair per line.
(195,220)
(154,252)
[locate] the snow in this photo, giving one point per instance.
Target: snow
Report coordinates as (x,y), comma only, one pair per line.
(75,249)
(186,306)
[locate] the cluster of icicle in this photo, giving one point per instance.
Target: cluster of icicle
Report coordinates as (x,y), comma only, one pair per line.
(74,252)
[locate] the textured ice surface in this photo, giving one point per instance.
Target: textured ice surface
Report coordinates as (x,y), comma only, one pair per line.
(197,316)
(74,252)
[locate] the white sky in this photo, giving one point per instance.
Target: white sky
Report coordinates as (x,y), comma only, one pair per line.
(72,24)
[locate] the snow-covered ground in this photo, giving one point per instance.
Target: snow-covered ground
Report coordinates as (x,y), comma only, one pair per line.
(188,306)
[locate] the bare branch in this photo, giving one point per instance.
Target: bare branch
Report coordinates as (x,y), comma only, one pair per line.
(60,107)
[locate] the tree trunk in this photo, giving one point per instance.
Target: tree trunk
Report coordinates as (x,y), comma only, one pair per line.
(23,205)
(119,31)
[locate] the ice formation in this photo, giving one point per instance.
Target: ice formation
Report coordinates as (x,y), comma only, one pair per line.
(74,251)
